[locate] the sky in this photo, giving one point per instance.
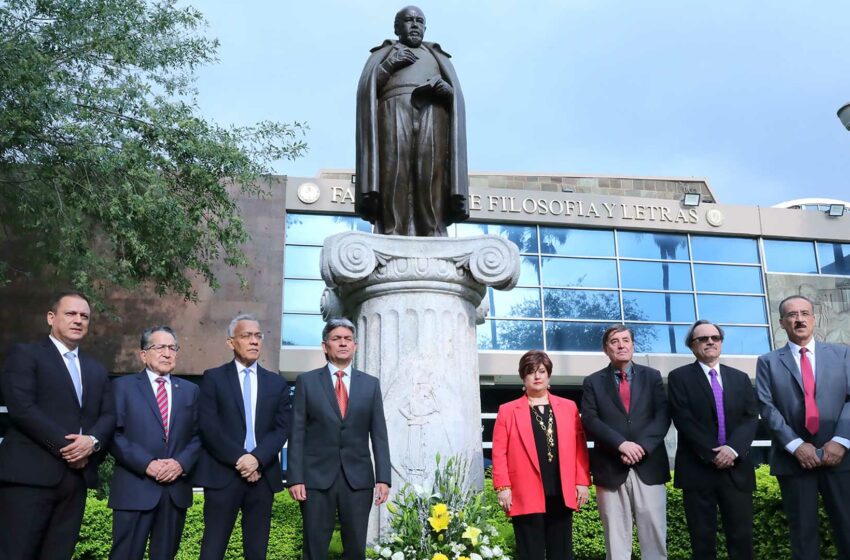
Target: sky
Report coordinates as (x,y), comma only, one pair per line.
(742,93)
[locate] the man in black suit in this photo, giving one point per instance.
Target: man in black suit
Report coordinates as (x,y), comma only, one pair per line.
(61,412)
(244,421)
(337,411)
(624,411)
(715,410)
(804,389)
(156,444)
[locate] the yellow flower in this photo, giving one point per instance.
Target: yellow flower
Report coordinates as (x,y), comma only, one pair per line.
(440,517)
(463,558)
(439,556)
(472,533)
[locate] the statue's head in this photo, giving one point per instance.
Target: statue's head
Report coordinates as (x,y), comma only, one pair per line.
(410,26)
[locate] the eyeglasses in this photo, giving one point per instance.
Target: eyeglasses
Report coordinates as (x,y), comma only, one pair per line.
(250,336)
(704,339)
(798,315)
(162,347)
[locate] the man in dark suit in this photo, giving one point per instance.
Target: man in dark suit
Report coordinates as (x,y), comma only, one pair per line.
(715,410)
(244,421)
(156,444)
(804,389)
(60,406)
(624,411)
(337,411)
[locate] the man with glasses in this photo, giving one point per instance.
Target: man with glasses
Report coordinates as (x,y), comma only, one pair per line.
(156,445)
(244,422)
(61,416)
(715,411)
(804,389)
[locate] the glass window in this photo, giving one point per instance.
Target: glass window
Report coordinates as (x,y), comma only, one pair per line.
(312,229)
(586,273)
(731,309)
(724,249)
(746,340)
(529,274)
(579,337)
(302,296)
(581,304)
(524,237)
(789,256)
(577,242)
(510,335)
(660,339)
(655,306)
(834,258)
(519,302)
(645,245)
(642,275)
(725,278)
(301,262)
(302,330)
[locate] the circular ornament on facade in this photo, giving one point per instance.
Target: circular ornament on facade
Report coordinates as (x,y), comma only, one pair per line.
(308,193)
(714,217)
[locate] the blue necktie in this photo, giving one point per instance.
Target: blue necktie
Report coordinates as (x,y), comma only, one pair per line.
(249,419)
(75,376)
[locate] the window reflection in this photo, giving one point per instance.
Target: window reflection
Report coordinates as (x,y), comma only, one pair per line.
(654,306)
(644,275)
(834,258)
(524,237)
(746,340)
(723,278)
(731,309)
(312,229)
(576,242)
(587,273)
(529,274)
(510,335)
(724,249)
(301,262)
(579,337)
(302,330)
(302,296)
(519,302)
(581,304)
(660,339)
(790,256)
(645,245)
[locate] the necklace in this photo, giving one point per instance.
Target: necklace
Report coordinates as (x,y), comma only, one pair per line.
(548,429)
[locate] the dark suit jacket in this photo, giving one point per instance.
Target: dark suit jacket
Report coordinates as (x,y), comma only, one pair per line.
(608,425)
(322,442)
(222,426)
(43,408)
(695,415)
(779,385)
(140,438)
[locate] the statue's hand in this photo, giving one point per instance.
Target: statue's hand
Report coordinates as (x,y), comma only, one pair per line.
(443,89)
(399,58)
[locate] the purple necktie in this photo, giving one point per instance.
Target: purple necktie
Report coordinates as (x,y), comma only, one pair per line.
(718,403)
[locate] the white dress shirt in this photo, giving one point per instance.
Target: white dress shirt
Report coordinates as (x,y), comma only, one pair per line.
(64,350)
(346,379)
(154,386)
(240,368)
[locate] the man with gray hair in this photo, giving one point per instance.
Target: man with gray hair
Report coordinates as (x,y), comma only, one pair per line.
(338,410)
(715,410)
(155,446)
(244,422)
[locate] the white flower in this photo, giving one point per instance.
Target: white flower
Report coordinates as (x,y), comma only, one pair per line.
(386,553)
(485,540)
(485,551)
(458,548)
(377,549)
(497,551)
(398,556)
(475,556)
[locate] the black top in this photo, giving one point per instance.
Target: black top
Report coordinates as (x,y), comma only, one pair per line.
(549,472)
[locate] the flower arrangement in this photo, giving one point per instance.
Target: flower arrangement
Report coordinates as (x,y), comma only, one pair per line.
(448,522)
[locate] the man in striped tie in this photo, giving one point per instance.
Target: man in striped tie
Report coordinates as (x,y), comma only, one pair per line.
(156,444)
(338,410)
(715,410)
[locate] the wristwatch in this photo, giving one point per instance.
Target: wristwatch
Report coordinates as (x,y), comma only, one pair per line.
(95,444)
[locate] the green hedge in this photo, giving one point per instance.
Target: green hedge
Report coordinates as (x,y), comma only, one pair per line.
(770,529)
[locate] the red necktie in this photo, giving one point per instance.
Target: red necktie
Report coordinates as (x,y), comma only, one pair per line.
(812,415)
(625,392)
(341,393)
(162,402)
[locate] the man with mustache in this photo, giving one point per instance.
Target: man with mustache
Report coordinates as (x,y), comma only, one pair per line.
(804,389)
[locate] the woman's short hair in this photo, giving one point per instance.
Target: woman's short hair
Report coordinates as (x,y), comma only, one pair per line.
(531,360)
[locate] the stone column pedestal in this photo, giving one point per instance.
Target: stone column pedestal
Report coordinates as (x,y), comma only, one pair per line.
(416,302)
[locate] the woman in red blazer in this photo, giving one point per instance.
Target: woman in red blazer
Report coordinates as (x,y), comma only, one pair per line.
(540,463)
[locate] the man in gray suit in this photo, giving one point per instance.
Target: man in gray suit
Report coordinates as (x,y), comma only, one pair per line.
(804,389)
(337,411)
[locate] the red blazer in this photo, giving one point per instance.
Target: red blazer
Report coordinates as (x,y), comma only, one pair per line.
(515,461)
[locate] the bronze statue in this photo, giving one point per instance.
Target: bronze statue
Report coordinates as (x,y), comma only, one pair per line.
(411,135)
